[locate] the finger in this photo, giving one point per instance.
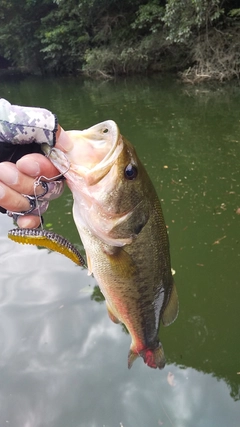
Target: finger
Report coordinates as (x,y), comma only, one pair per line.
(28,221)
(11,200)
(36,165)
(17,181)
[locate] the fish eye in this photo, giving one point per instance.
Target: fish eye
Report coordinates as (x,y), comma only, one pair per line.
(130,171)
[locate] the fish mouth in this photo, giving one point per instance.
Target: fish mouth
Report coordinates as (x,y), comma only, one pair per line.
(94,152)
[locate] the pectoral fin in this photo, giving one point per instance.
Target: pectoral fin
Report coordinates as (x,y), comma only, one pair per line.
(112,316)
(171,311)
(89,265)
(122,264)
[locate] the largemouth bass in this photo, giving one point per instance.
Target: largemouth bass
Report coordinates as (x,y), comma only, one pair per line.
(121,225)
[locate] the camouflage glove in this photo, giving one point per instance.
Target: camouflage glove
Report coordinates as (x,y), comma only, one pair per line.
(22,131)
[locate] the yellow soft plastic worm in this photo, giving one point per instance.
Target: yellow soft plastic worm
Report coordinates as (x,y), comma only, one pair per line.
(47,239)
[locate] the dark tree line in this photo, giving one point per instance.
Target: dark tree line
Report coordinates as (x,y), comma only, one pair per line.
(199,38)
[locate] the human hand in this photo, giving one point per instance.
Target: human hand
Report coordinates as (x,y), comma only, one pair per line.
(18,179)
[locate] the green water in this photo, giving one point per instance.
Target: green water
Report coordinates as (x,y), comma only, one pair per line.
(63,363)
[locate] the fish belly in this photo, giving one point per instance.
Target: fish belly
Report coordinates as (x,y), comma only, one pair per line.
(131,283)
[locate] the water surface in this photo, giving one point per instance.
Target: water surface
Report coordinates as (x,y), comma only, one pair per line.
(63,362)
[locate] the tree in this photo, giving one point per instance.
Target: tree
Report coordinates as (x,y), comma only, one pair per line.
(19,23)
(183,17)
(63,37)
(121,37)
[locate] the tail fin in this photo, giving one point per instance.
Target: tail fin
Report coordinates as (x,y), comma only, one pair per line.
(153,358)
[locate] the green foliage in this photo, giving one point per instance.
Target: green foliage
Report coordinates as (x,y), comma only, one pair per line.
(141,57)
(234,13)
(115,60)
(63,39)
(183,16)
(111,36)
(149,17)
(19,22)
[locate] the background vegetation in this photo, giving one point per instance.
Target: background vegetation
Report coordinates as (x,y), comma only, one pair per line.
(198,38)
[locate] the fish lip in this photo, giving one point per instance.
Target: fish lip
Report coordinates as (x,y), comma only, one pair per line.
(106,163)
(93,175)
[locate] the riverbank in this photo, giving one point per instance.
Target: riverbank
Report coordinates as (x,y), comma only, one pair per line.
(212,56)
(196,39)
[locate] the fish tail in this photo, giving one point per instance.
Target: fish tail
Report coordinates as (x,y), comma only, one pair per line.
(154,358)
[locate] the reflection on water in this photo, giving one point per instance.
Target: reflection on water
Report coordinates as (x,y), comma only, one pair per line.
(63,362)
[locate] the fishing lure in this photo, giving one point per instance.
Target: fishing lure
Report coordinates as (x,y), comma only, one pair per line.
(47,239)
